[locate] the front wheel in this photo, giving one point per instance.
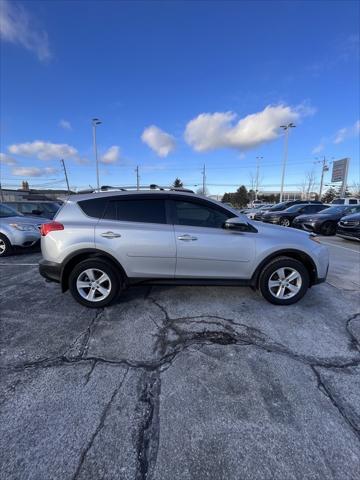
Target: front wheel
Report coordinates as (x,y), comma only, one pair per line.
(94,283)
(5,246)
(285,222)
(328,228)
(284,281)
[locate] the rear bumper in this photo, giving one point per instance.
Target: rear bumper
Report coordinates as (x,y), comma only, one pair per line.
(50,270)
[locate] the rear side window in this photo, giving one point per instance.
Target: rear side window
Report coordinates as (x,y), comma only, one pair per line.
(94,207)
(352,201)
(136,210)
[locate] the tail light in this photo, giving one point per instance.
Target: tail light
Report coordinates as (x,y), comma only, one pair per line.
(50,227)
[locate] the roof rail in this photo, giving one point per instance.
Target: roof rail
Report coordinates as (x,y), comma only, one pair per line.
(152,186)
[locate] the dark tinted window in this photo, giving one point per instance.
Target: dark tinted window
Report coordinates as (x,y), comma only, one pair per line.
(146,210)
(313,208)
(94,207)
(353,209)
(198,215)
(352,201)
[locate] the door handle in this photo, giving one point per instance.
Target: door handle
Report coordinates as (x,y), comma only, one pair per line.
(187,238)
(110,235)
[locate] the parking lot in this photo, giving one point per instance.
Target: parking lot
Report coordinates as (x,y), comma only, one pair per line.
(180,382)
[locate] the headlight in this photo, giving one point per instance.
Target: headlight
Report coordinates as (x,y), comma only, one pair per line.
(23,227)
(314,238)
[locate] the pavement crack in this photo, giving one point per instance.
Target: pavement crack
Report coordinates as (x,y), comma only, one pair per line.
(148,437)
(80,345)
(88,375)
(354,342)
(98,428)
(325,390)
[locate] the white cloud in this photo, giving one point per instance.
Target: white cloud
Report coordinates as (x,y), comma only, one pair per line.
(65,124)
(159,141)
(33,171)
(44,150)
(210,131)
(318,149)
(7,160)
(347,132)
(111,155)
(19,27)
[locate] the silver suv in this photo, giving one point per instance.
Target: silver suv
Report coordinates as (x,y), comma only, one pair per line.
(101,243)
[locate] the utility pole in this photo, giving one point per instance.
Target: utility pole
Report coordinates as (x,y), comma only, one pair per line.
(324,168)
(137,178)
(204,180)
(66,177)
(95,122)
(257,176)
(286,129)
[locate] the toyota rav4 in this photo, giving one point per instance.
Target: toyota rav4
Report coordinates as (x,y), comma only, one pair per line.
(101,243)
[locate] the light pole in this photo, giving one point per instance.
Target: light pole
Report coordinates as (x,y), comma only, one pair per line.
(257,176)
(324,168)
(95,122)
(286,129)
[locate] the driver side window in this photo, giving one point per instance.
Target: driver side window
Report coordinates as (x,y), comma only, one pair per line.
(198,215)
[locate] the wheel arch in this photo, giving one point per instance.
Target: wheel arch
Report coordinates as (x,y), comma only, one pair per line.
(84,254)
(299,255)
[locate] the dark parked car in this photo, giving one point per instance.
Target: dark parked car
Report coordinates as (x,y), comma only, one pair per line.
(279,207)
(286,217)
(325,222)
(349,227)
(37,207)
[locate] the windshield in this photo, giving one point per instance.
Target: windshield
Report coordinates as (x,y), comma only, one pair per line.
(51,207)
(333,210)
(278,206)
(295,208)
(6,211)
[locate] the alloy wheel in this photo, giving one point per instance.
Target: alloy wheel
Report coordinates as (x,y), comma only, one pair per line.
(2,246)
(285,222)
(93,285)
(285,283)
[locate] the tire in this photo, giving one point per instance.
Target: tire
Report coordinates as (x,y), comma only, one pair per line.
(95,297)
(299,285)
(6,248)
(285,222)
(328,228)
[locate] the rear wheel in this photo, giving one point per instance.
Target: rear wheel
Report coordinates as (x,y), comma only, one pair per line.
(5,246)
(94,283)
(284,281)
(285,222)
(328,228)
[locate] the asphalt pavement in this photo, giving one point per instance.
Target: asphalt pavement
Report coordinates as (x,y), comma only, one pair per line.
(180,382)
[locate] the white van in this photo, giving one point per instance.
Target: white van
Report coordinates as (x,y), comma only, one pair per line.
(346,201)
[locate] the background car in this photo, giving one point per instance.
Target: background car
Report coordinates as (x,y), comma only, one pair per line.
(286,217)
(16,230)
(325,222)
(346,201)
(349,227)
(278,207)
(38,208)
(251,212)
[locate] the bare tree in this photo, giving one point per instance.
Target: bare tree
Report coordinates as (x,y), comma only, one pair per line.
(307,186)
(355,189)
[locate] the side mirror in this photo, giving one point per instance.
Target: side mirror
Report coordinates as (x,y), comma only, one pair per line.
(240,224)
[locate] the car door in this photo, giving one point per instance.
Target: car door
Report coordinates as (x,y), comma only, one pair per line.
(204,248)
(135,231)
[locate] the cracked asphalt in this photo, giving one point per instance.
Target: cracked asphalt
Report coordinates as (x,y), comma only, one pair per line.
(180,382)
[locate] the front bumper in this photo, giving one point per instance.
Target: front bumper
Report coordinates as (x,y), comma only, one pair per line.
(21,238)
(50,270)
(350,232)
(307,226)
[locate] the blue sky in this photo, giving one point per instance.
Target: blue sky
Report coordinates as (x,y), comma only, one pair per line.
(177,85)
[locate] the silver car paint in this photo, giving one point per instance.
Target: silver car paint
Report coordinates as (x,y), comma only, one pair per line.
(154,250)
(19,237)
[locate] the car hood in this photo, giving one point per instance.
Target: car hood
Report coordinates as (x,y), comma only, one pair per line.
(266,227)
(353,217)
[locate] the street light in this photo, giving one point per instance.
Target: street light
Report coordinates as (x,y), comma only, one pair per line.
(95,122)
(257,176)
(286,128)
